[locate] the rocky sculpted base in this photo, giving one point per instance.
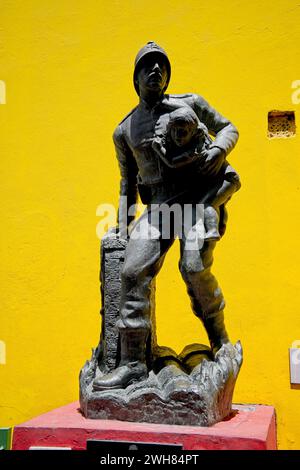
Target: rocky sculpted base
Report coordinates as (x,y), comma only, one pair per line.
(190,389)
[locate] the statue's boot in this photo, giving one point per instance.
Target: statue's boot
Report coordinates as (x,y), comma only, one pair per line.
(211,222)
(132,366)
(215,328)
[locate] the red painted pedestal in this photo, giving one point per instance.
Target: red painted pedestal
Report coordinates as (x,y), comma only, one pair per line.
(250,427)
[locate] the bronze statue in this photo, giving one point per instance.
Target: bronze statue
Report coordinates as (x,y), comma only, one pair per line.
(172,150)
(164,150)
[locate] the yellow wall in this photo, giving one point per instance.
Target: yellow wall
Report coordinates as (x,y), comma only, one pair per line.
(67,66)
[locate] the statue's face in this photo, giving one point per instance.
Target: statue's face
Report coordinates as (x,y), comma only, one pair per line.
(153,74)
(181,134)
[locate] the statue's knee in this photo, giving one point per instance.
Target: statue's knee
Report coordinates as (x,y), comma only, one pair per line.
(190,269)
(129,273)
(135,273)
(197,263)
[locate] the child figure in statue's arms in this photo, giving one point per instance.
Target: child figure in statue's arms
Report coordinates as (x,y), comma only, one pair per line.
(185,142)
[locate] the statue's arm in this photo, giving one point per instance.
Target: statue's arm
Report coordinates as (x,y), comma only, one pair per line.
(128,184)
(225,133)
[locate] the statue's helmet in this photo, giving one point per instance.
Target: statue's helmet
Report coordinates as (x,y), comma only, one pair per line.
(150,48)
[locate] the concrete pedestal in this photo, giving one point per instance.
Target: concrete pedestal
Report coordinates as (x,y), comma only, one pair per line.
(249,427)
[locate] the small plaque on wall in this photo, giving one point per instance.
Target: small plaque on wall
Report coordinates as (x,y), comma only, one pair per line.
(294,365)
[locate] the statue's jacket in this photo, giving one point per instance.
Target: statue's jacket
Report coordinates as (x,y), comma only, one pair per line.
(138,161)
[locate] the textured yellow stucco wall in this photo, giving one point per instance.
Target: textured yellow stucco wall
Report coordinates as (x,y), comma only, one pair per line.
(67,67)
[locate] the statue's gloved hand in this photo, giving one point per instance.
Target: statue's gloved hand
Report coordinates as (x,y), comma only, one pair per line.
(213,159)
(158,147)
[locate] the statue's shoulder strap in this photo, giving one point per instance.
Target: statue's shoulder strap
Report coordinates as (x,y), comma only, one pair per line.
(182,96)
(128,115)
(187,98)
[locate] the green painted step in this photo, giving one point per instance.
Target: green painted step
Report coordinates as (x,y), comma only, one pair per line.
(5,438)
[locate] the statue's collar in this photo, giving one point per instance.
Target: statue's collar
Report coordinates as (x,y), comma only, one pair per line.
(149,107)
